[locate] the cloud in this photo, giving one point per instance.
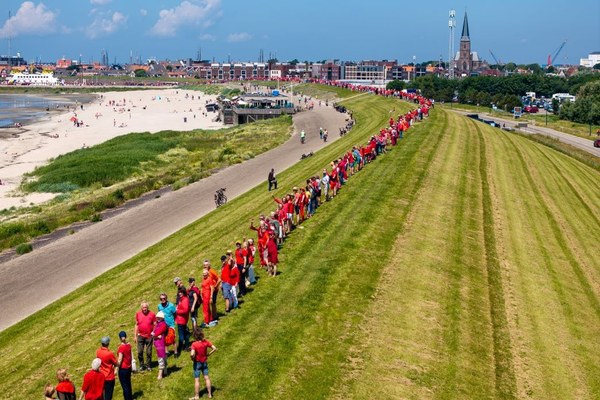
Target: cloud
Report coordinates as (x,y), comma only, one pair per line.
(186,13)
(105,24)
(30,20)
(207,37)
(100,2)
(238,37)
(143,12)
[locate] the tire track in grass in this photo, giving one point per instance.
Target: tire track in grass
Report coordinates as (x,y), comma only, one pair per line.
(591,369)
(503,360)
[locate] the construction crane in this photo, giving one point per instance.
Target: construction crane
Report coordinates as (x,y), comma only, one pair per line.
(552,59)
(494,57)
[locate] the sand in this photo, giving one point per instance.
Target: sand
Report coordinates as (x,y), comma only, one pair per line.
(111,114)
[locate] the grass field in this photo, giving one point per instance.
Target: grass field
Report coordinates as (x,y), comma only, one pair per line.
(461,264)
(539,119)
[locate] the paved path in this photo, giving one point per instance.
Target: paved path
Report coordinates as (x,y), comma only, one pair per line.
(30,282)
(575,141)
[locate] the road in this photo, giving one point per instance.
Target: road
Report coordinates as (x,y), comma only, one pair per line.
(32,281)
(578,142)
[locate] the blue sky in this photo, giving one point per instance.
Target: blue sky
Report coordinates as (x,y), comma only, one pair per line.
(520,31)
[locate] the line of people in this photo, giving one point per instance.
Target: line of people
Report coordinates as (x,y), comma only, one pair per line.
(160,331)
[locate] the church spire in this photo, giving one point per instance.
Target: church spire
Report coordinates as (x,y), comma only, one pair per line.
(465,30)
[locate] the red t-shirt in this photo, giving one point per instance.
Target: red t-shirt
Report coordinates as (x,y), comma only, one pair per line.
(234,276)
(93,385)
(65,387)
(201,348)
(239,256)
(225,272)
(145,323)
(125,349)
(108,362)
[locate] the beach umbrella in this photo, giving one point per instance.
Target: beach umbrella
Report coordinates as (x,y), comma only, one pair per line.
(73,119)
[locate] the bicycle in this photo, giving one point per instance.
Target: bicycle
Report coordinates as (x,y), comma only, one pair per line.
(220,197)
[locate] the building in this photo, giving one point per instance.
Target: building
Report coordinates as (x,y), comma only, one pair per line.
(593,59)
(467,62)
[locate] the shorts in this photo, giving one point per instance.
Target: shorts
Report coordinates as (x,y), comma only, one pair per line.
(200,367)
(289,216)
(226,291)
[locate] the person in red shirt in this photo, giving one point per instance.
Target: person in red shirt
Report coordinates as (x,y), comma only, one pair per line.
(241,259)
(225,283)
(65,390)
(207,293)
(273,259)
(181,319)
(144,324)
(124,359)
(216,285)
(93,383)
(234,279)
(201,350)
(109,362)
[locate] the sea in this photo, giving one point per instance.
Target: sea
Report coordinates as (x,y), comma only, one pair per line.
(28,108)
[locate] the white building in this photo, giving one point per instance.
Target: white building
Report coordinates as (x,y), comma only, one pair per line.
(593,59)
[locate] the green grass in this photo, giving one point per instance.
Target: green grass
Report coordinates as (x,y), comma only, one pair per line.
(461,264)
(539,119)
(106,175)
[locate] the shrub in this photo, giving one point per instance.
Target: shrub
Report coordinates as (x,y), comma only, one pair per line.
(96,217)
(24,248)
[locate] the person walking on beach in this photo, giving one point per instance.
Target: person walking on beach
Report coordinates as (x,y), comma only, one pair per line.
(144,324)
(107,367)
(124,359)
(272,179)
(201,350)
(93,383)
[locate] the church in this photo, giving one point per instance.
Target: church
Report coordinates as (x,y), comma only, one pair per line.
(467,62)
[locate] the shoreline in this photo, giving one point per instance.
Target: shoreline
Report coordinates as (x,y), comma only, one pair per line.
(107,115)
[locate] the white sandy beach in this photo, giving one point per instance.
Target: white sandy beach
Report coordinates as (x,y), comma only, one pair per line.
(111,114)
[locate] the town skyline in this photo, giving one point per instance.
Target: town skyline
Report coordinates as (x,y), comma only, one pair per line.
(229,31)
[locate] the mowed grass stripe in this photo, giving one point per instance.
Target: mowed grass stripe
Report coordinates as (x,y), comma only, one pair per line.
(549,364)
(566,293)
(503,361)
(428,333)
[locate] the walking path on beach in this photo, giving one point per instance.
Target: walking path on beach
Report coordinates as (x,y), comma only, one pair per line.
(32,281)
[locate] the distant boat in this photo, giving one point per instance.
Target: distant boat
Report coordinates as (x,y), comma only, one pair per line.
(34,79)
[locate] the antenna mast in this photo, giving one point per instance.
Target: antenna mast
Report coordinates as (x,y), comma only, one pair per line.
(451,25)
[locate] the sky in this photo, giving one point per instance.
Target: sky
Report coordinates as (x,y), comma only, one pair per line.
(520,31)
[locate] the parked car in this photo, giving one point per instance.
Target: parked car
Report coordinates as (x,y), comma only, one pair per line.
(597,143)
(531,109)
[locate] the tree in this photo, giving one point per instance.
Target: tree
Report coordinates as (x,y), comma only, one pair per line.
(551,69)
(396,84)
(294,61)
(555,106)
(511,66)
(140,73)
(597,66)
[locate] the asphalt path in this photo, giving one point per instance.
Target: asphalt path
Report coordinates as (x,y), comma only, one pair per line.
(575,141)
(32,281)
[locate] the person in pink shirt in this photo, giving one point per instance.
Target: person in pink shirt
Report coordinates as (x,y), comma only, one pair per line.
(159,334)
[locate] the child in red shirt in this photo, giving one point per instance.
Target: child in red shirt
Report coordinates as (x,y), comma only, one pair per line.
(199,354)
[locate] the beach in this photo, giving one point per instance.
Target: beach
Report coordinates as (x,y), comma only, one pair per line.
(109,115)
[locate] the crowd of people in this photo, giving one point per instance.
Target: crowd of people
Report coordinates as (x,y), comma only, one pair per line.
(167,331)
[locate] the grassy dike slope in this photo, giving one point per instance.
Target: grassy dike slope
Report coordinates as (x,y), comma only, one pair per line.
(317,294)
(459,265)
(492,287)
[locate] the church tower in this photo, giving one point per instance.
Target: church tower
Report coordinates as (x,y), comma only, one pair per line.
(465,62)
